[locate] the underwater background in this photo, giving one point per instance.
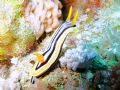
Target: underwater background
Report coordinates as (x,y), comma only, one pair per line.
(59,44)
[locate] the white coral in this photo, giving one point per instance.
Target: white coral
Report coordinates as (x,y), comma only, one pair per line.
(79,57)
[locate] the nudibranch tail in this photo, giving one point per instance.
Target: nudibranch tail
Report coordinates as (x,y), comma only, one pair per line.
(75,18)
(69,14)
(33,80)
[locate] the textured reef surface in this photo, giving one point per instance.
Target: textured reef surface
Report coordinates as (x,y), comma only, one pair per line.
(89,58)
(25,23)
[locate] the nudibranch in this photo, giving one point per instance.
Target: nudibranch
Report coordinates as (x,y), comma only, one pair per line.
(49,57)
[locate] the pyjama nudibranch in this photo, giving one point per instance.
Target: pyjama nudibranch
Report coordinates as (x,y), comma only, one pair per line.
(49,57)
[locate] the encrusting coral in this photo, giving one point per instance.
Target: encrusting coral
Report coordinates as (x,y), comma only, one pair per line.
(79,57)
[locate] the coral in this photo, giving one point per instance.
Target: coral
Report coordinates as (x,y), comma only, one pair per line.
(64,79)
(106,79)
(21,66)
(4,71)
(16,37)
(44,15)
(101,80)
(79,57)
(19,63)
(39,85)
(107,44)
(99,28)
(14,60)
(12,83)
(7,12)
(115,74)
(24,23)
(102,32)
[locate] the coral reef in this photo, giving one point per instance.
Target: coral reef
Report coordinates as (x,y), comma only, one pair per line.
(44,15)
(39,85)
(12,83)
(21,67)
(86,6)
(25,23)
(106,79)
(19,63)
(64,79)
(95,45)
(79,57)
(16,37)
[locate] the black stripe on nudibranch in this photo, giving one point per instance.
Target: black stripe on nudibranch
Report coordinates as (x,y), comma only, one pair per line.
(33,80)
(53,44)
(47,71)
(54,35)
(59,31)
